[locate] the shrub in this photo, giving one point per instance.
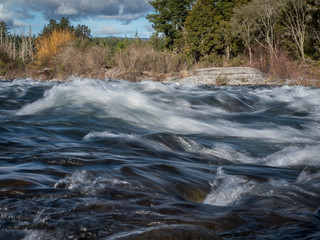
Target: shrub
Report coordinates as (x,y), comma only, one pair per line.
(88,62)
(3,68)
(222,80)
(141,58)
(278,66)
(212,60)
(48,46)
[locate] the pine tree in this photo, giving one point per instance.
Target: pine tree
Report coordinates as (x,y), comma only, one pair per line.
(208,28)
(201,29)
(169,19)
(3,32)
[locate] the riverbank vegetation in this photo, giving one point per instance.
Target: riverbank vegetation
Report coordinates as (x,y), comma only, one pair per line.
(281,38)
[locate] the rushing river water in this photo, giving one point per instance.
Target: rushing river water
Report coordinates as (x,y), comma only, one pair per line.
(91,159)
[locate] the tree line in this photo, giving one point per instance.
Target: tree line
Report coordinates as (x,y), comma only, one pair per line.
(270,35)
(16,46)
(231,27)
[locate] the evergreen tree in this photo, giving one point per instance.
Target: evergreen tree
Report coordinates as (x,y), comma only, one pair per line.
(65,24)
(83,32)
(208,28)
(313,31)
(53,25)
(3,29)
(224,11)
(169,19)
(200,29)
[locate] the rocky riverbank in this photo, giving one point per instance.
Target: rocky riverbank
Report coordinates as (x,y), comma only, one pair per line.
(211,76)
(219,76)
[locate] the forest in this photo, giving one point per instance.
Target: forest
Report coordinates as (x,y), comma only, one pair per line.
(280,38)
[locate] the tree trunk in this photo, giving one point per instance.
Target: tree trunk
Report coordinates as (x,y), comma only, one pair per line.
(22,49)
(1,37)
(14,46)
(30,43)
(250,55)
(228,53)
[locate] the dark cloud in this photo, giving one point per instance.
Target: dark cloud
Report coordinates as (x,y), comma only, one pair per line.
(122,10)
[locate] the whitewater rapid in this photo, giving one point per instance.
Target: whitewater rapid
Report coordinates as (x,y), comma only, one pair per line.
(92,159)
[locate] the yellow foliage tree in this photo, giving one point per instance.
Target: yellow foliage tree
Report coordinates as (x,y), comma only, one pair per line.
(48,45)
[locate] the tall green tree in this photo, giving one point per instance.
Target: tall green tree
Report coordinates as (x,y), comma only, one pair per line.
(313,29)
(201,29)
(169,19)
(64,24)
(208,28)
(225,9)
(3,31)
(83,32)
(3,28)
(243,27)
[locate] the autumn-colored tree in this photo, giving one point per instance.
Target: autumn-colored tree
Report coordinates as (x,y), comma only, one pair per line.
(48,46)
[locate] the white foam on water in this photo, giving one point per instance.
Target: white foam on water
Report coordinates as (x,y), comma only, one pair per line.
(155,145)
(107,134)
(66,95)
(306,177)
(294,156)
(298,98)
(223,151)
(228,189)
(164,112)
(231,189)
(186,144)
(82,181)
(40,217)
(36,235)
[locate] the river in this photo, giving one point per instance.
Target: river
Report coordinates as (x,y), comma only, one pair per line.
(92,159)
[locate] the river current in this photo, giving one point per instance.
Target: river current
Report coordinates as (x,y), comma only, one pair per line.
(114,160)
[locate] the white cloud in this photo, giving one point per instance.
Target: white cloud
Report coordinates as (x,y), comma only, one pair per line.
(66,10)
(5,14)
(16,13)
(108,31)
(123,18)
(124,10)
(18,24)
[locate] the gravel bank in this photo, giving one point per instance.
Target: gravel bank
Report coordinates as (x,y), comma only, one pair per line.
(223,76)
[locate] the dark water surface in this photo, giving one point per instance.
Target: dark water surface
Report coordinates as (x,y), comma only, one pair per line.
(91,159)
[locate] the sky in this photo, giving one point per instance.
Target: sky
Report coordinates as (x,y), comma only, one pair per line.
(104,17)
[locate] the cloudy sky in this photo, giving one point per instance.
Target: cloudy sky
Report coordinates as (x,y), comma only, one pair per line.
(104,17)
